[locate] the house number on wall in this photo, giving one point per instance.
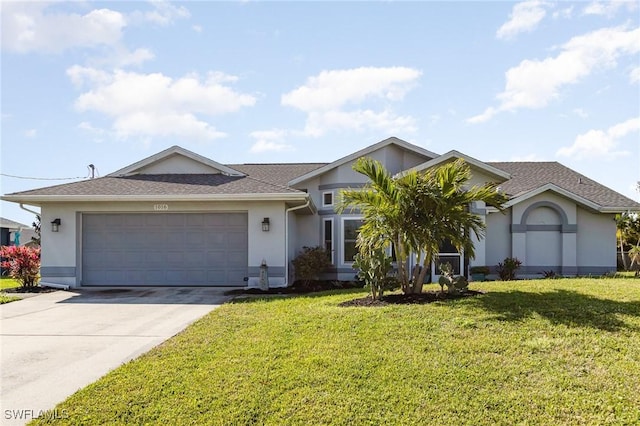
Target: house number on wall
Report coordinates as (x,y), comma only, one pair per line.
(160,207)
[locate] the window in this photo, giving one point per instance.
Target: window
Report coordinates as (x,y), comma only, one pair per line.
(327,199)
(350,229)
(448,254)
(327,238)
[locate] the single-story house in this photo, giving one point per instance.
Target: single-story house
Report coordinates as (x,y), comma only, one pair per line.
(178,218)
(15,233)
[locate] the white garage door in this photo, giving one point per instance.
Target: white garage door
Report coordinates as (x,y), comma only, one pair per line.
(164,249)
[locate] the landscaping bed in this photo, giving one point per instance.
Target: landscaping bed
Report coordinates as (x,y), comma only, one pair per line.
(301,287)
(413,299)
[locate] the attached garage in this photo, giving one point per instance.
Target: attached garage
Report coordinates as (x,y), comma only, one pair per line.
(164,249)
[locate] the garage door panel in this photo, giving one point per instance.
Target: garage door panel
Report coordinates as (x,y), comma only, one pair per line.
(195,221)
(238,220)
(235,238)
(216,239)
(151,221)
(165,249)
(235,260)
(195,239)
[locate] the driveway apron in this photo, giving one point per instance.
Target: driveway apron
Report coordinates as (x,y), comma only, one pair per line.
(56,343)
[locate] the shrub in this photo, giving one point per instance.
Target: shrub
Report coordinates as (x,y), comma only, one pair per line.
(508,267)
(373,268)
(22,262)
(480,270)
(310,263)
(455,283)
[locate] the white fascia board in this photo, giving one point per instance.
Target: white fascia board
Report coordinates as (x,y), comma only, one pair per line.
(453,154)
(619,209)
(556,189)
(35,199)
(171,151)
(362,153)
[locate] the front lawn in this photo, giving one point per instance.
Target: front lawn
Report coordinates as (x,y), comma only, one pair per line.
(7,283)
(527,352)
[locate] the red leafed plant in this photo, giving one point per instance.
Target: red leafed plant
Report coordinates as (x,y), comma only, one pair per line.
(22,262)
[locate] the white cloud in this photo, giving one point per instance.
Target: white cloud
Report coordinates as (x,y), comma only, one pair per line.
(96,133)
(634,75)
(534,83)
(563,13)
(524,17)
(601,144)
(434,119)
(607,8)
(197,28)
(485,116)
(124,57)
(270,140)
(28,27)
(36,27)
(31,133)
(580,112)
(333,89)
(163,13)
(385,121)
(333,99)
(148,105)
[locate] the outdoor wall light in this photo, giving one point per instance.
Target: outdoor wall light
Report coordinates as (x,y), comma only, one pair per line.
(265,224)
(55,225)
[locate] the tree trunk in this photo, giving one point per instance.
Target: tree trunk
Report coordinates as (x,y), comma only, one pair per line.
(400,259)
(624,259)
(426,265)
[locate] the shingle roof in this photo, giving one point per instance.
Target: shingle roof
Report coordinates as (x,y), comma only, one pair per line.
(273,179)
(279,174)
(528,176)
(11,224)
(260,179)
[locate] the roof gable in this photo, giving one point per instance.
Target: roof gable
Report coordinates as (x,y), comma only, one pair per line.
(363,153)
(11,224)
(531,178)
(176,160)
(474,163)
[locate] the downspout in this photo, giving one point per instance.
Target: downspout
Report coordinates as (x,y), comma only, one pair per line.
(286,238)
(30,211)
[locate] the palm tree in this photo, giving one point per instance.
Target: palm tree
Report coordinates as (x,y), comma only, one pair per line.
(622,225)
(445,216)
(383,205)
(417,212)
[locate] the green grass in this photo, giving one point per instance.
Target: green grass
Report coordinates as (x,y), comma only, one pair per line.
(5,298)
(7,283)
(528,352)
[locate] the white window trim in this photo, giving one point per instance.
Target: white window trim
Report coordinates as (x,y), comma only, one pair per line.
(343,219)
(332,199)
(333,238)
(435,272)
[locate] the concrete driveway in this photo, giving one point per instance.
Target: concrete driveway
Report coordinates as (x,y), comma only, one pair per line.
(56,343)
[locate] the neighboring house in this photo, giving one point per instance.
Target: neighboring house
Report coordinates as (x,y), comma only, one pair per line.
(177,218)
(9,229)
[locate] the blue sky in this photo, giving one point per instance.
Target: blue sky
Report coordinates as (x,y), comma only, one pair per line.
(109,83)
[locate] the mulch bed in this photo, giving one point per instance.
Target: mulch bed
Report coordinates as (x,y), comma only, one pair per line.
(36,289)
(300,287)
(410,299)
